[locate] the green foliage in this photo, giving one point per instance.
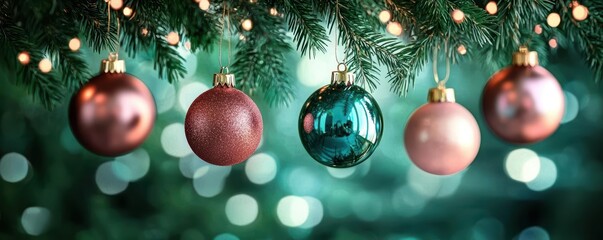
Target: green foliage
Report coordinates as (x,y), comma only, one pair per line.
(44,28)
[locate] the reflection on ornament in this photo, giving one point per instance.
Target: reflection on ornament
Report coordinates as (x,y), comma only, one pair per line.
(457,15)
(223,125)
(579,12)
(113,113)
(340,125)
(395,28)
(23,58)
(523,103)
(385,16)
(553,20)
(45,65)
(442,137)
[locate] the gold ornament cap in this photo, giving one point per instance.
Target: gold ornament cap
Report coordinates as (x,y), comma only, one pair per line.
(441,94)
(113,64)
(342,76)
(525,58)
(224,79)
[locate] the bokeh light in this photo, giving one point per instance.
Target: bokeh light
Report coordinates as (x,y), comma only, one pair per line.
(553,20)
(394,28)
(461,49)
(273,11)
(241,209)
(189,165)
(137,162)
(534,233)
(580,12)
(190,92)
(367,206)
(522,165)
(457,15)
(430,185)
(128,11)
(75,44)
(385,16)
(247,24)
(116,4)
(315,212)
(338,203)
(546,177)
(108,181)
(209,180)
(35,220)
(172,38)
(45,65)
(13,167)
(23,58)
(204,5)
(553,43)
(492,7)
(173,140)
(292,211)
(303,181)
(572,107)
(341,172)
(260,168)
(538,29)
(226,236)
(407,202)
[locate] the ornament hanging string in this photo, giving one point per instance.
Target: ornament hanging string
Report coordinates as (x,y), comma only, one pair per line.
(225,17)
(118,33)
(436,77)
(337,12)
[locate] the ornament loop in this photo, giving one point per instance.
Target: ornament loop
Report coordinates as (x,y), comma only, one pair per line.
(345,67)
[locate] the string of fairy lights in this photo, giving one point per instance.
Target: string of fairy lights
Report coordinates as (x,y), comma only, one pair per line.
(579,13)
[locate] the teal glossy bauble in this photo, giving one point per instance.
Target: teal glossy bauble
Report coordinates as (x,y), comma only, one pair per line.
(340,125)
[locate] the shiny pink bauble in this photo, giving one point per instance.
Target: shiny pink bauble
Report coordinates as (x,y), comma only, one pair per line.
(442,138)
(223,126)
(523,105)
(112,114)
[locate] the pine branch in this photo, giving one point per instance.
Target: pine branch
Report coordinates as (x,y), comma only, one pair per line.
(307,28)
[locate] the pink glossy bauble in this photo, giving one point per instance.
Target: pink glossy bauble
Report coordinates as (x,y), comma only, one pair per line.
(223,126)
(442,138)
(112,114)
(523,104)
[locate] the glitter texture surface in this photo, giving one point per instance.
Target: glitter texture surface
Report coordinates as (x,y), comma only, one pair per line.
(223,126)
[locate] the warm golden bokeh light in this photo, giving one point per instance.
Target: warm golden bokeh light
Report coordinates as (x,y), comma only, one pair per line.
(128,11)
(204,5)
(45,65)
(247,24)
(457,15)
(461,49)
(553,20)
(394,28)
(173,38)
(492,7)
(538,29)
(75,44)
(116,4)
(580,12)
(553,43)
(23,58)
(385,16)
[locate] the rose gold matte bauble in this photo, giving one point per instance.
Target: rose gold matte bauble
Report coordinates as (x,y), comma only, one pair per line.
(223,126)
(112,114)
(523,104)
(442,138)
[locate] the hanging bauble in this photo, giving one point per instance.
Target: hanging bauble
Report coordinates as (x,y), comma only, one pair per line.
(442,137)
(523,103)
(223,125)
(114,112)
(340,124)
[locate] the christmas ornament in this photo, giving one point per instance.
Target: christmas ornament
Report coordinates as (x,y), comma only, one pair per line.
(523,103)
(442,137)
(340,124)
(223,125)
(114,112)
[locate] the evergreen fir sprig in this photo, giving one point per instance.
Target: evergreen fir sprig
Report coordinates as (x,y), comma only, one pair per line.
(307,28)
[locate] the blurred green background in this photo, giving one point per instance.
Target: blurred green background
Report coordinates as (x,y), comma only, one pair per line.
(52,188)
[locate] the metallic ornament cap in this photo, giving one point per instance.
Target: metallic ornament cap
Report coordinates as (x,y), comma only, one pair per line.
(224,79)
(113,64)
(342,76)
(525,58)
(441,94)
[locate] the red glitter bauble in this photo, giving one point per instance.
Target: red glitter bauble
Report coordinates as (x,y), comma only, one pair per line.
(112,114)
(223,126)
